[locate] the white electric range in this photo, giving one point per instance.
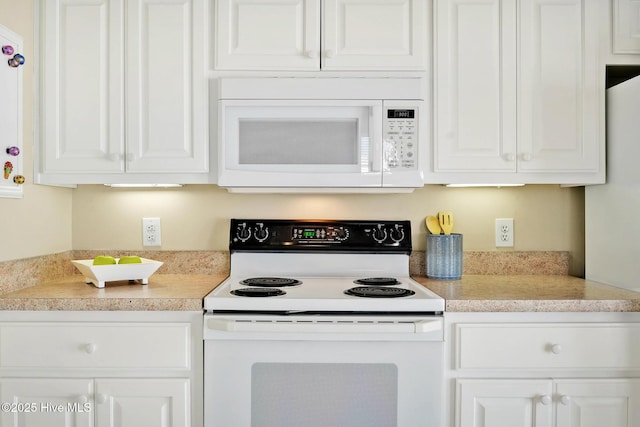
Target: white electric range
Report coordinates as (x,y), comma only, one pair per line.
(323,313)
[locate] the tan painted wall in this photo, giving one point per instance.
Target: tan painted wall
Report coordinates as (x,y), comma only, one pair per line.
(40,223)
(197,217)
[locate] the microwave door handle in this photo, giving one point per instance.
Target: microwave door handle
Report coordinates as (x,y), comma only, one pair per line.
(375,133)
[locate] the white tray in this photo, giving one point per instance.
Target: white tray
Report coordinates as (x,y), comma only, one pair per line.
(99,274)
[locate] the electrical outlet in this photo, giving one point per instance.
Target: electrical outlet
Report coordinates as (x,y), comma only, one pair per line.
(504,232)
(151,232)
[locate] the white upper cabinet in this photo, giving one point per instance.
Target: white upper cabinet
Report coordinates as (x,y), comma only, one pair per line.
(626,26)
(475,100)
(519,92)
(123,90)
(321,34)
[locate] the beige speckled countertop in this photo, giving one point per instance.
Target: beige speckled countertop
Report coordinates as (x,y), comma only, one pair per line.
(536,293)
(176,292)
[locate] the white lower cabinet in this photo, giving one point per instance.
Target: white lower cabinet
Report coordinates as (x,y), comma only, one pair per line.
(78,402)
(108,369)
(532,403)
(543,369)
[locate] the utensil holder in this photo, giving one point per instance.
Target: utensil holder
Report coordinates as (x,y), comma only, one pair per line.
(444,256)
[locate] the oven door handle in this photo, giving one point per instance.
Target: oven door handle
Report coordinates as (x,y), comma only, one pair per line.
(324,327)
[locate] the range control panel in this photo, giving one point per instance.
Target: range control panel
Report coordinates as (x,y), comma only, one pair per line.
(320,236)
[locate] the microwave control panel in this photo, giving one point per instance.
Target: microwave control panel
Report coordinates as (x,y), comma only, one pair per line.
(401,138)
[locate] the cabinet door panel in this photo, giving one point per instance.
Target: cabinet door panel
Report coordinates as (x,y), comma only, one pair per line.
(267,35)
(475,96)
(626,26)
(82,127)
(559,95)
(142,403)
(597,403)
(166,96)
(503,403)
(374,34)
(51,402)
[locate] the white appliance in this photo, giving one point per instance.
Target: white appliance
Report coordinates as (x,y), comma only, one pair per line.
(319,324)
(301,134)
(612,210)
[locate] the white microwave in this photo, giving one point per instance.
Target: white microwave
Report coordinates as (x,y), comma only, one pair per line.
(321,134)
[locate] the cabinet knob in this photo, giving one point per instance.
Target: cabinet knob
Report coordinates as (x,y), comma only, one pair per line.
(312,54)
(527,157)
(565,400)
(330,53)
(556,349)
(101,398)
(83,399)
(545,400)
(510,157)
(90,348)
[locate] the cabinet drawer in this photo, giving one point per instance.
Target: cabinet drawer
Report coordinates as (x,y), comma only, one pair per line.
(95,345)
(550,346)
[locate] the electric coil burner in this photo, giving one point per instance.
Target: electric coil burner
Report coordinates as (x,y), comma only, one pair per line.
(379,292)
(270,281)
(258,292)
(377,281)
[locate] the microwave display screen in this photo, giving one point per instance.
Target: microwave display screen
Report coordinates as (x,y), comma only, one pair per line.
(401,114)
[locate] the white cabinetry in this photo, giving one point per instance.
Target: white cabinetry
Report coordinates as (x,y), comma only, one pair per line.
(544,370)
(118,402)
(532,403)
(123,91)
(519,92)
(626,26)
(321,34)
(103,369)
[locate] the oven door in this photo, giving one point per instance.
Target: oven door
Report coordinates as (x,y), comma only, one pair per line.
(318,373)
(296,143)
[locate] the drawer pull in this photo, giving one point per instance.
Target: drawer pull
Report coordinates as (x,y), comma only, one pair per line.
(565,400)
(556,349)
(545,400)
(90,348)
(101,398)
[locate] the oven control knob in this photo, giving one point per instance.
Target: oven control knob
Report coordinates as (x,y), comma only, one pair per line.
(397,233)
(243,233)
(262,232)
(379,233)
(341,234)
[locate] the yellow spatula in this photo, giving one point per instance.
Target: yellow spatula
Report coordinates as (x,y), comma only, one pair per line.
(446,222)
(433,225)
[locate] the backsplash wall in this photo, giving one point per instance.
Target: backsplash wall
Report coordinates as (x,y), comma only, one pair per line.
(196,217)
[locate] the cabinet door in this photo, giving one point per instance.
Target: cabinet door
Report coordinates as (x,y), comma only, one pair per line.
(166,96)
(374,35)
(476,86)
(561,93)
(597,403)
(267,35)
(81,121)
(626,26)
(51,402)
(142,402)
(503,403)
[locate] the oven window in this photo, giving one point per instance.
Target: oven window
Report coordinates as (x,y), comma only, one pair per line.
(298,142)
(324,394)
